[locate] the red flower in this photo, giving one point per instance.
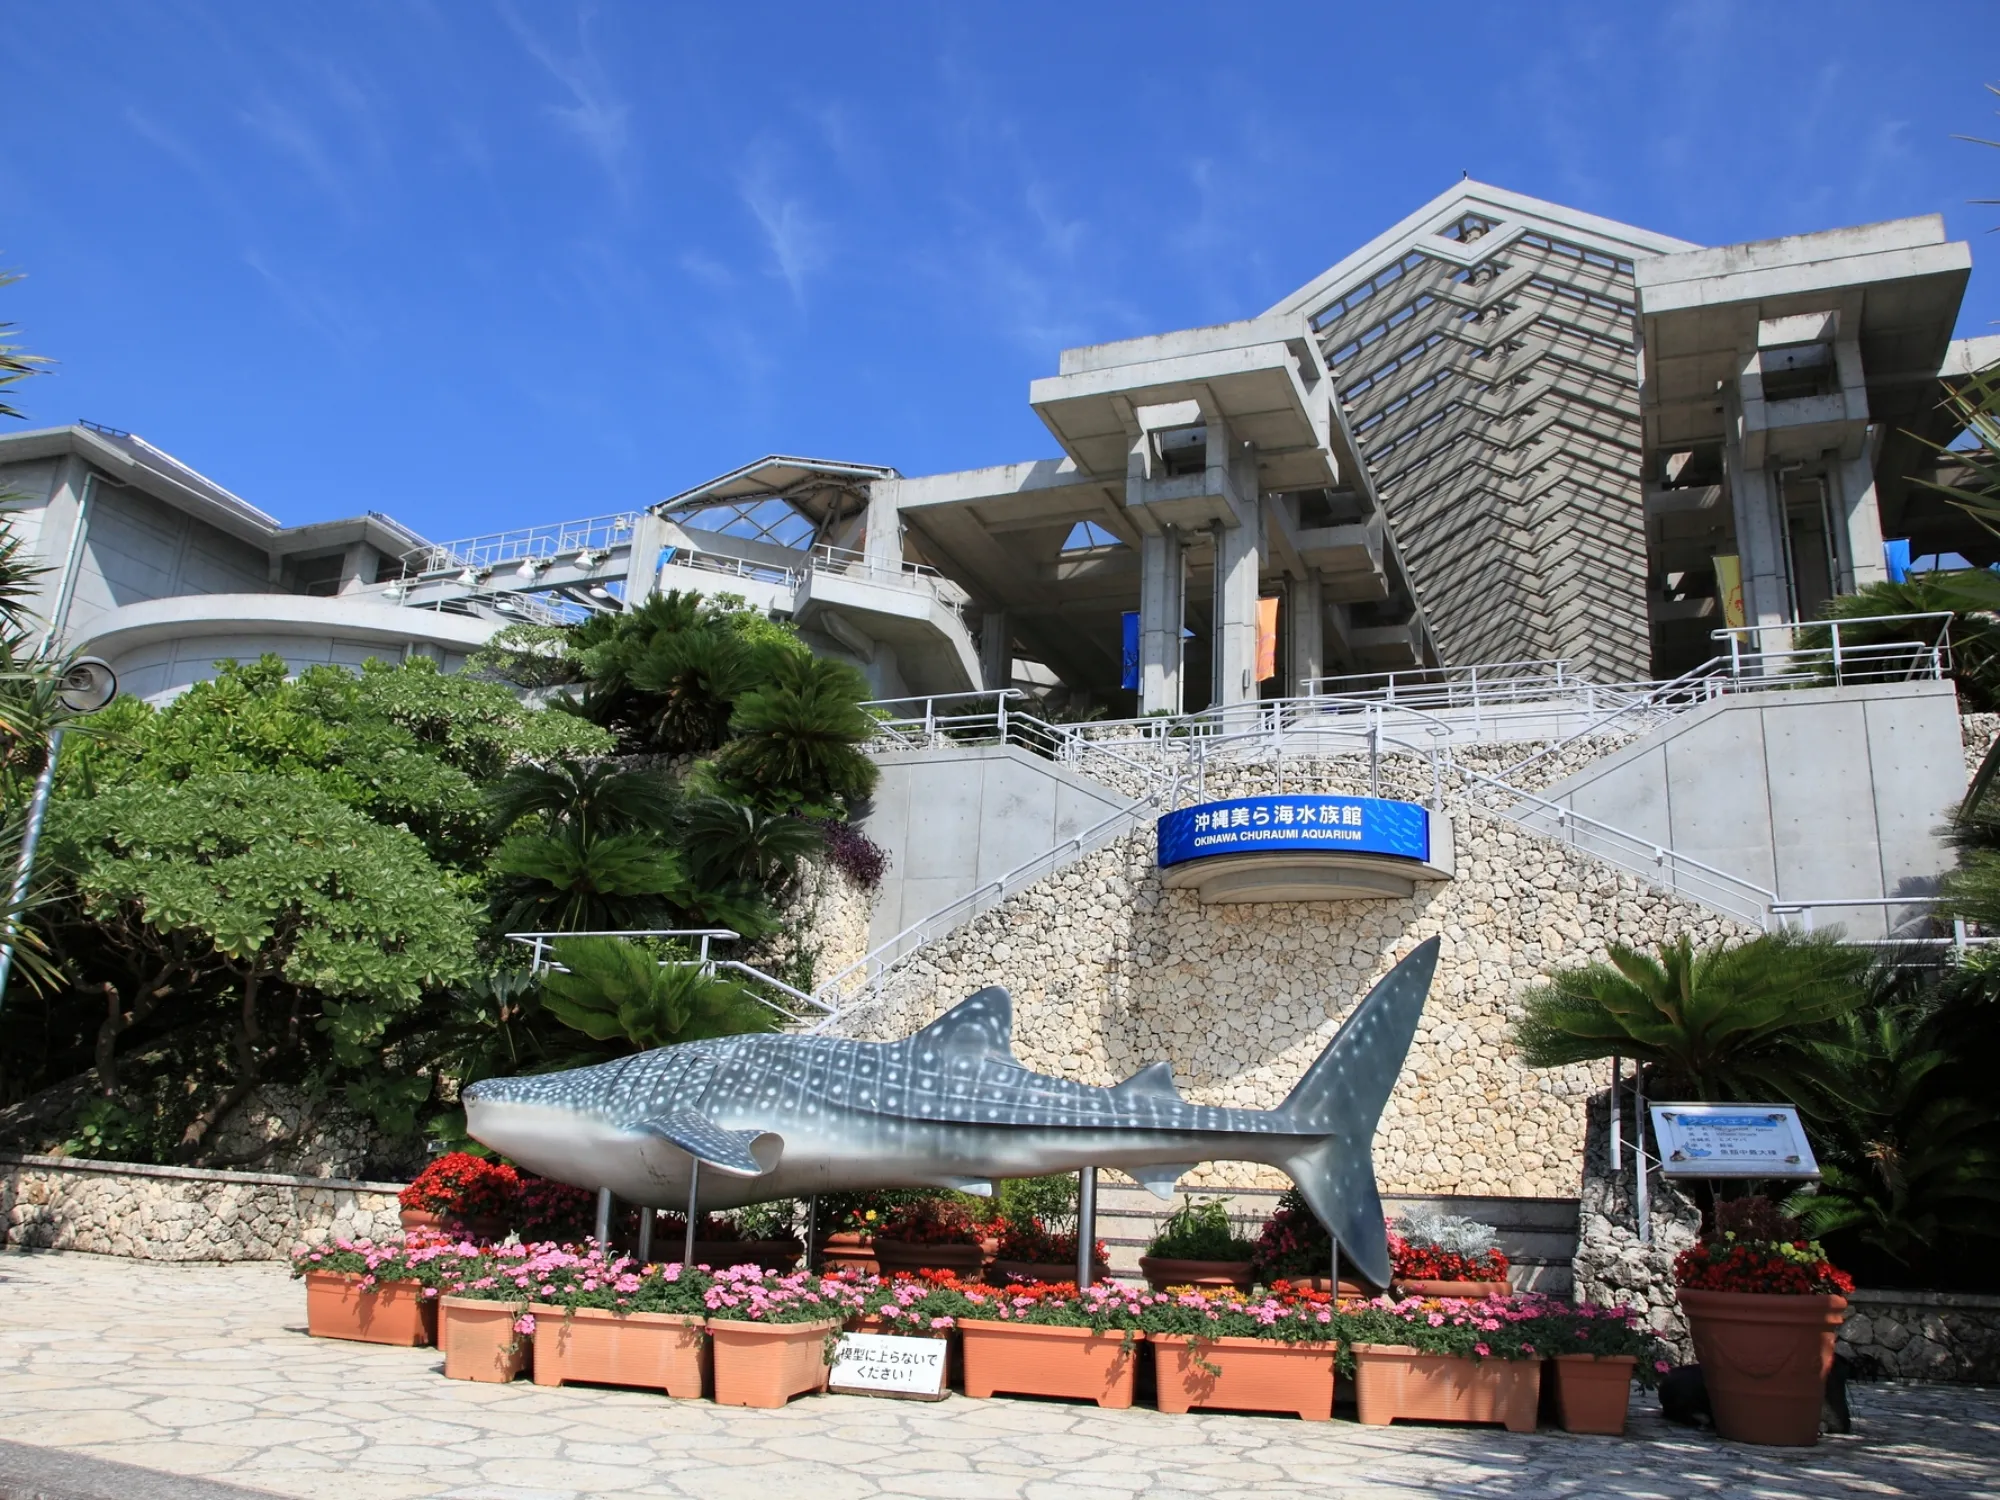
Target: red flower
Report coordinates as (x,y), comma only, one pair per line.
(462,1186)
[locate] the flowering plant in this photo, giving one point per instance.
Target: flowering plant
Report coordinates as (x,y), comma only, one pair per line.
(460,1185)
(1586,1328)
(929,1221)
(751,1294)
(545,1210)
(1026,1238)
(1105,1306)
(670,1229)
(1200,1230)
(428,1260)
(1759,1249)
(1293,1241)
(1410,1260)
(1487,1328)
(1203,1313)
(923,1305)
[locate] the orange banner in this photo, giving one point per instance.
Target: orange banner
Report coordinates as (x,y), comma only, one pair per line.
(1267,639)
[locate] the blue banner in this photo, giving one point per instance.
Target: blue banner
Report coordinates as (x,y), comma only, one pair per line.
(1308,821)
(1129,678)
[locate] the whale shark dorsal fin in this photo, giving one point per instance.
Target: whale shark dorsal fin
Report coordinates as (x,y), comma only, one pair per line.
(1154,1081)
(981,1025)
(736,1152)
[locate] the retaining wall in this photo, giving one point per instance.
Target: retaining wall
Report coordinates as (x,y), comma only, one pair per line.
(180,1213)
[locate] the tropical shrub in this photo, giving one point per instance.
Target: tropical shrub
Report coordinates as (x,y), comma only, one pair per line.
(796,739)
(1200,1230)
(614,990)
(854,854)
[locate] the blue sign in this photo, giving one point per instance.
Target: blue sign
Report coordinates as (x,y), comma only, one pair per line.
(1308,821)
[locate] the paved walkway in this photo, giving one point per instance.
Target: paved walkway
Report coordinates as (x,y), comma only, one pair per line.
(206,1371)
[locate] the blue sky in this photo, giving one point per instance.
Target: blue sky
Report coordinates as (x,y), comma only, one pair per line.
(482,265)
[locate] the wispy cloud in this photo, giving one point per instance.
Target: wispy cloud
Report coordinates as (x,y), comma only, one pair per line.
(293,136)
(327,316)
(796,239)
(597,115)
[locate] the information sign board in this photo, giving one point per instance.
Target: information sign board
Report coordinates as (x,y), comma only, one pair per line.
(1305,821)
(884,1364)
(1732,1140)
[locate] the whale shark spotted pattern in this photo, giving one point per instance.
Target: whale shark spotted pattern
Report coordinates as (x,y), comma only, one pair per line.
(780,1116)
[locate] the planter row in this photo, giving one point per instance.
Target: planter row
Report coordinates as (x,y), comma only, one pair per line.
(767,1364)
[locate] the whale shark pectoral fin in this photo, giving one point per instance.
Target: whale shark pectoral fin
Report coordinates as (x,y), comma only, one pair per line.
(1154,1081)
(981,1025)
(1159,1180)
(741,1153)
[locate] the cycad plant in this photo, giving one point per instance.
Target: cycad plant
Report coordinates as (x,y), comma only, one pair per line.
(617,991)
(572,880)
(732,842)
(690,681)
(1713,1023)
(797,739)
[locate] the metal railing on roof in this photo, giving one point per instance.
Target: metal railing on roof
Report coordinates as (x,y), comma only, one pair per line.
(527,544)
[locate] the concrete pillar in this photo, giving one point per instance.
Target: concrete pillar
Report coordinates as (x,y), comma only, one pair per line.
(884,542)
(1236,564)
(1858,515)
(1759,540)
(642,568)
(1162,577)
(1305,629)
(359,567)
(996,656)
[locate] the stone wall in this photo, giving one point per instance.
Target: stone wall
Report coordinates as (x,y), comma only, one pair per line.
(179,1213)
(1612,1264)
(1923,1335)
(826,918)
(1110,971)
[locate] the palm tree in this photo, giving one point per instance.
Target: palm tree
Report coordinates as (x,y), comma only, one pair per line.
(1718,1022)
(617,991)
(591,797)
(14,365)
(798,737)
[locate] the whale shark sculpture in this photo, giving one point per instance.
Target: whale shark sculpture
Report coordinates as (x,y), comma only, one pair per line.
(784,1116)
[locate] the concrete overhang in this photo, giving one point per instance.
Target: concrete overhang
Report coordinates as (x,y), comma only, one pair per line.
(1264,377)
(193,616)
(934,653)
(1251,879)
(806,482)
(129,460)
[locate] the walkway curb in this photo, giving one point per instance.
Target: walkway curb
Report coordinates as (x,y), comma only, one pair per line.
(31,1473)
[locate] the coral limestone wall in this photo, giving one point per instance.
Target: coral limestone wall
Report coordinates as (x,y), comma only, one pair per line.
(1110,971)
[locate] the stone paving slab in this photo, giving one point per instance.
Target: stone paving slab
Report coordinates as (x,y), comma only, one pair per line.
(205,1371)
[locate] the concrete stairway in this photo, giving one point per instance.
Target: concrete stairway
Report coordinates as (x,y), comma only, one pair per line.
(1539,1235)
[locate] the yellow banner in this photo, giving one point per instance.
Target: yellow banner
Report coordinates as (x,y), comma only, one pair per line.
(1729,585)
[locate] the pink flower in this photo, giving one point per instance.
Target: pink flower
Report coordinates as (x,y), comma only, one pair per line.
(1481,1350)
(525,1323)
(1436,1320)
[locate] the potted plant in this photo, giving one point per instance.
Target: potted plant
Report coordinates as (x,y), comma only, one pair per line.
(1027,1250)
(1763,1304)
(1198,1247)
(1294,1248)
(1443,1255)
(550,1212)
(1447,1360)
(1595,1353)
(1052,1340)
(722,1240)
(375,1294)
(929,1234)
(484,1325)
(1218,1349)
(461,1192)
(615,1322)
(774,1335)
(849,1245)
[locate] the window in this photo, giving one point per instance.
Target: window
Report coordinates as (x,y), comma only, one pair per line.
(1088,536)
(771,519)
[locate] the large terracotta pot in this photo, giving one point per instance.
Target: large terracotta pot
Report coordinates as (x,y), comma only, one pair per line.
(907,1257)
(1237,1374)
(1764,1357)
(1472,1291)
(1393,1380)
(1348,1289)
(393,1312)
(653,1351)
(413,1219)
(1007,1272)
(772,1255)
(766,1364)
(849,1251)
(1162,1273)
(479,1339)
(1030,1360)
(1593,1391)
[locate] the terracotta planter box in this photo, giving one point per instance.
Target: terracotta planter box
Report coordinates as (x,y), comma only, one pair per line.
(1393,1380)
(1161,1273)
(848,1252)
(653,1351)
(1592,1391)
(766,1364)
(479,1340)
(413,1219)
(1472,1291)
(1764,1357)
(1006,1272)
(1256,1375)
(1029,1360)
(395,1312)
(896,1256)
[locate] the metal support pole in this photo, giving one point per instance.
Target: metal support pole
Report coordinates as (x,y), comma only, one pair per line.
(1086,1224)
(1640,1207)
(31,835)
(1617,1119)
(645,1247)
(1333,1285)
(812,1232)
(603,1218)
(694,1186)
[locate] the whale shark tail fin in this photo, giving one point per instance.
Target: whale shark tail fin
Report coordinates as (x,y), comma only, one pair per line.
(1341,1099)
